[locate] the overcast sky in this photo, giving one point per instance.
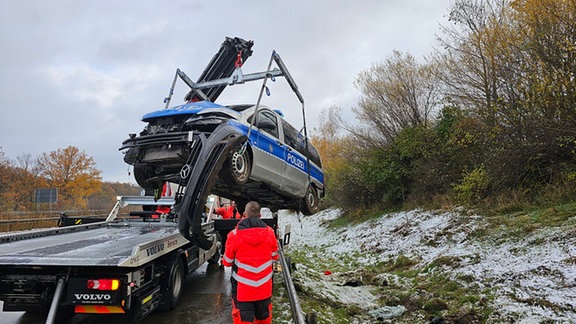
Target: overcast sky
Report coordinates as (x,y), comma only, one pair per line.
(83,73)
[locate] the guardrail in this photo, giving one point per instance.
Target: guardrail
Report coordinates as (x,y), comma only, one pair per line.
(297,314)
(27,220)
(26,223)
(10,225)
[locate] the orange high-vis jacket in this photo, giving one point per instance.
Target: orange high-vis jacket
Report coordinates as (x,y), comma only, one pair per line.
(252,247)
(228,212)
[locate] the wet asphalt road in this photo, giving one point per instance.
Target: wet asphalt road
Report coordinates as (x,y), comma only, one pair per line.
(205,299)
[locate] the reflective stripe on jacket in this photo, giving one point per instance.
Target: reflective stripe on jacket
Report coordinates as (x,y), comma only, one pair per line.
(252,247)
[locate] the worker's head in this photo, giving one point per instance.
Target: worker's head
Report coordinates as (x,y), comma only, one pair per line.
(252,209)
(232,203)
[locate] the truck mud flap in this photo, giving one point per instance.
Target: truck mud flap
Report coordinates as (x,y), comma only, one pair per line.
(201,180)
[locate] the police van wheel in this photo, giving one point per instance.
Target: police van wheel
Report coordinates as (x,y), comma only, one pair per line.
(238,167)
(310,202)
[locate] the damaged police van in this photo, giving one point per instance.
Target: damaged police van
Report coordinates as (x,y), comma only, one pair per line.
(260,156)
(275,165)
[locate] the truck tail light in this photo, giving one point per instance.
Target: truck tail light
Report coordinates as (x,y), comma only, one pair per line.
(103,284)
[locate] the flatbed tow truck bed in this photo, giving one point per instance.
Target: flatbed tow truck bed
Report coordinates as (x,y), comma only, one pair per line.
(125,243)
(121,265)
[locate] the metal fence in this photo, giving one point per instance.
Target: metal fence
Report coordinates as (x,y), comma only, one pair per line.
(27,220)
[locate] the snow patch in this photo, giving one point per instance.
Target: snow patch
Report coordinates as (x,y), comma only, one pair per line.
(534,279)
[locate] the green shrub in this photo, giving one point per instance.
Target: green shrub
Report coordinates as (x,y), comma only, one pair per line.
(473,186)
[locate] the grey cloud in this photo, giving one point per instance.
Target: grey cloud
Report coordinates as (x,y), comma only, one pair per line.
(83,72)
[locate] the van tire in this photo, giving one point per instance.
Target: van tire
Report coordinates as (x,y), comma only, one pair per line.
(310,203)
(237,168)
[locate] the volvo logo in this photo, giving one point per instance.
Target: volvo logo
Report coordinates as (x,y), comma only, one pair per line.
(155,249)
(185,172)
(92,297)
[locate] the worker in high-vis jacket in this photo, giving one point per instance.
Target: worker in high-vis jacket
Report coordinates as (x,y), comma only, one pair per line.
(251,249)
(230,212)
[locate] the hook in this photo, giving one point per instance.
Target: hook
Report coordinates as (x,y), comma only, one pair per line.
(243,148)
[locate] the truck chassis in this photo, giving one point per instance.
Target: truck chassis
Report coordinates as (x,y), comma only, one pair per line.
(121,265)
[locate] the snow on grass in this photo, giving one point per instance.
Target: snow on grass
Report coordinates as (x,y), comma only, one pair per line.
(533,278)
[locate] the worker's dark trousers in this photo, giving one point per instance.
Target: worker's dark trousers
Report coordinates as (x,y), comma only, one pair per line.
(258,312)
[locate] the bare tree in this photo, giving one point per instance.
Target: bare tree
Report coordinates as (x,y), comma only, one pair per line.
(512,63)
(28,163)
(397,94)
(473,67)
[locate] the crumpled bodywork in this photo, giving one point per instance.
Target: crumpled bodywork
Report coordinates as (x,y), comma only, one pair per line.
(201,178)
(240,152)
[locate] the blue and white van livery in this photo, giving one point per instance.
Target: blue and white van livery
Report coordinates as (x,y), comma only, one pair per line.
(239,152)
(275,165)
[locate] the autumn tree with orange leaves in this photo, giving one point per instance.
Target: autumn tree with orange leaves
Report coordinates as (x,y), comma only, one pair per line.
(17,181)
(73,173)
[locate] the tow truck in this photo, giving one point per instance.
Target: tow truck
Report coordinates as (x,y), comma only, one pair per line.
(240,152)
(133,264)
(136,264)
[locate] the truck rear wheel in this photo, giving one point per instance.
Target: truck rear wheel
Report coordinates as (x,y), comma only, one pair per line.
(172,285)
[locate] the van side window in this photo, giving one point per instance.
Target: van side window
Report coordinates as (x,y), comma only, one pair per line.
(268,118)
(291,136)
(296,140)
